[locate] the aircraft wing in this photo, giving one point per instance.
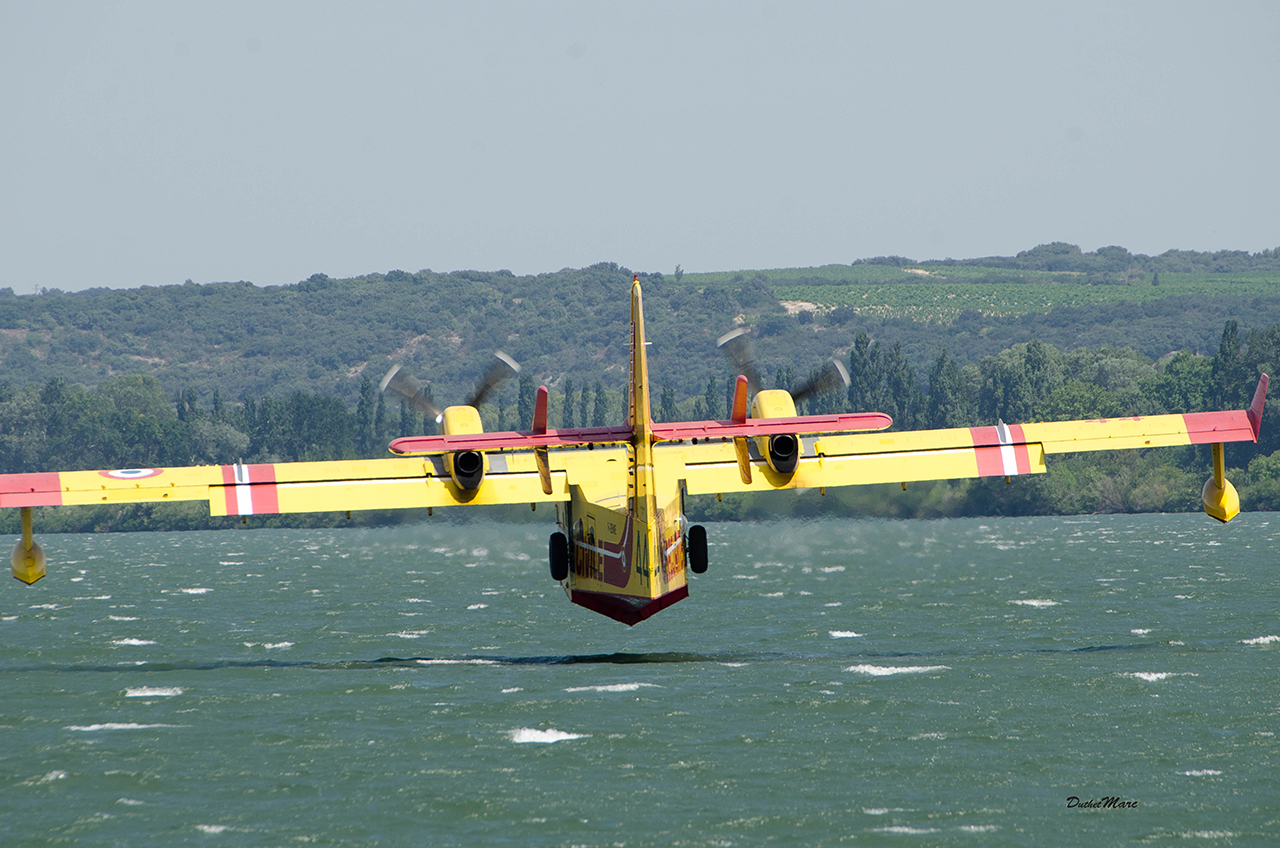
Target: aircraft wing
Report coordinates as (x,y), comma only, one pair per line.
(337,486)
(703,454)
(848,459)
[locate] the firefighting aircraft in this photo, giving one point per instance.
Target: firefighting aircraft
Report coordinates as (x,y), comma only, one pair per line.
(624,543)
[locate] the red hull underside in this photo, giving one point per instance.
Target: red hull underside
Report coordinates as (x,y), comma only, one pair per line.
(627,610)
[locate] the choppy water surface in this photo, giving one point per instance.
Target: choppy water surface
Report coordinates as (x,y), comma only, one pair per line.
(906,683)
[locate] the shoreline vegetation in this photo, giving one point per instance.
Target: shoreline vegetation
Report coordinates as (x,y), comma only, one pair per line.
(223,372)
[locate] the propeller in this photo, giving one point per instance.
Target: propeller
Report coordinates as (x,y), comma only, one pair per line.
(737,346)
(503,369)
(832,377)
(413,392)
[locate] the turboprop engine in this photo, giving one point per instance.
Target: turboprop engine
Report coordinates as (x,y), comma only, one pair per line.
(466,468)
(783,450)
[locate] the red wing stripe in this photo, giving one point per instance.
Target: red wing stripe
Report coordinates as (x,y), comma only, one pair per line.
(990,463)
(987,451)
(1001,457)
(250,489)
(1022,453)
(265,496)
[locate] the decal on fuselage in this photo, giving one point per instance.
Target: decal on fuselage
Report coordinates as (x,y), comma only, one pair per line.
(600,560)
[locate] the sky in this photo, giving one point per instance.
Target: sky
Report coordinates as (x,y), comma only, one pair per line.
(147,143)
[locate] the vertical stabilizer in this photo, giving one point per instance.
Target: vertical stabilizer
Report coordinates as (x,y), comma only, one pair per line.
(638,393)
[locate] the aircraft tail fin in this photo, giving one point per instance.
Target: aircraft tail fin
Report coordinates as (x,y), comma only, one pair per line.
(638,417)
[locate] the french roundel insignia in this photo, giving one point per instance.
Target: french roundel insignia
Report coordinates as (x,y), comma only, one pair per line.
(132,473)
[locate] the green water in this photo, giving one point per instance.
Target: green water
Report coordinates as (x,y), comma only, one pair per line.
(878,683)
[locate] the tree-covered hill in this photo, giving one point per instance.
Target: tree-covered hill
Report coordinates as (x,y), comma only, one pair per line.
(327,336)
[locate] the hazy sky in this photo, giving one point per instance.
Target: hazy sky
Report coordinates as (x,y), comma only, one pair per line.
(149,143)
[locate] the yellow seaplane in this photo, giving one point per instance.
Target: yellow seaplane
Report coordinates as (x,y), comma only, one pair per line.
(624,546)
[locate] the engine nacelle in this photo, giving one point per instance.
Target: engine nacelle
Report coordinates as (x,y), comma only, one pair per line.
(467,468)
(783,450)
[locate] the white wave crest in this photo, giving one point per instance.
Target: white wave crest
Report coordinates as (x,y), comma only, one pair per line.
(526,735)
(196,591)
(1157,676)
(133,642)
(1201,772)
(613,687)
(115,725)
(886,670)
(153,692)
(1261,640)
(1038,603)
(457,662)
(898,828)
(844,634)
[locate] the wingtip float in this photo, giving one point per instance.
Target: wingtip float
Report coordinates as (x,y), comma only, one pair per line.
(1218,496)
(624,545)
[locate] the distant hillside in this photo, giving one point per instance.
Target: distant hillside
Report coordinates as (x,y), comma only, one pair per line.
(326,336)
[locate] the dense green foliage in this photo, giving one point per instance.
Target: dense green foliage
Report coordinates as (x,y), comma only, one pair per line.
(225,372)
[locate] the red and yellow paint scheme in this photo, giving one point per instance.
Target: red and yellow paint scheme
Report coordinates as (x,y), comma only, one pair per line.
(625,547)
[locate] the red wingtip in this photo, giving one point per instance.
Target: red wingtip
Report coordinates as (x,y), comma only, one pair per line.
(1255,406)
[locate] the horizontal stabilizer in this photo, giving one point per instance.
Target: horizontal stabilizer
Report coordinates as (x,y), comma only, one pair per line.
(801,424)
(512,440)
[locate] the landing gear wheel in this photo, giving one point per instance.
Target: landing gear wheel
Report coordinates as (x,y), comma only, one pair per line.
(696,546)
(559,556)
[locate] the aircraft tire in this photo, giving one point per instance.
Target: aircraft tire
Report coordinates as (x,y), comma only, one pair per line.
(696,545)
(559,556)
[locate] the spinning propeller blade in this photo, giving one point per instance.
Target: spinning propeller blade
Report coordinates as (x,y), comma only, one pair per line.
(411,391)
(504,369)
(831,378)
(737,347)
